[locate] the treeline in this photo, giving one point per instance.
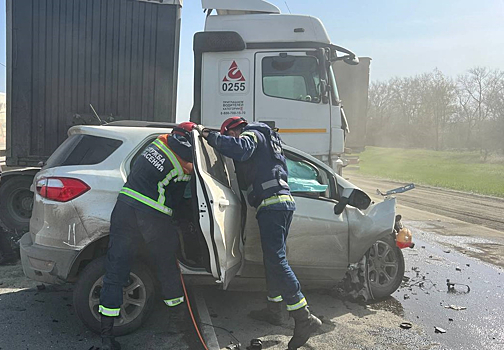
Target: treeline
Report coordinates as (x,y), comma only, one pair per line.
(435,111)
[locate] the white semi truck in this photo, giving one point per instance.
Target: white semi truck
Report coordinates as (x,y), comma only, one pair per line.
(122,57)
(252,61)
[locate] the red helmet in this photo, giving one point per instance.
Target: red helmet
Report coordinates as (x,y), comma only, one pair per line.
(231,123)
(184,128)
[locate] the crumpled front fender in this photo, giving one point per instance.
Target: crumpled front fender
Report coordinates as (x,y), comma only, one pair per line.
(366,227)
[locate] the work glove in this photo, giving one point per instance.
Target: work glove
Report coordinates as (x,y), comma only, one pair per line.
(202,131)
(199,128)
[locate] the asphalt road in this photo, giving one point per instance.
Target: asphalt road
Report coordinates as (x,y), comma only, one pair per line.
(463,243)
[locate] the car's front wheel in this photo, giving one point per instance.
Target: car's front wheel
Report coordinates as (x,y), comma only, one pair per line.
(138,297)
(385,267)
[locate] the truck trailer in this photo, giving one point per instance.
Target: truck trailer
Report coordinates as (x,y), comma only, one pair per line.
(96,61)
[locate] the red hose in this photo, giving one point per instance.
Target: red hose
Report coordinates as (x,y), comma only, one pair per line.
(190,310)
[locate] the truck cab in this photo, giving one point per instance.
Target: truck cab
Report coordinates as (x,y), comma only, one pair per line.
(254,62)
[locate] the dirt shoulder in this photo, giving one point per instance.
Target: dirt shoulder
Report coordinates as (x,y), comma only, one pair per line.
(475,222)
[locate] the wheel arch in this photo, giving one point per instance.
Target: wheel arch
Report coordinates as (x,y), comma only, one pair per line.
(356,252)
(97,249)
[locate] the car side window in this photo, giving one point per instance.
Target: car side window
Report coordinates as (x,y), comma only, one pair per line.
(141,149)
(306,179)
(213,163)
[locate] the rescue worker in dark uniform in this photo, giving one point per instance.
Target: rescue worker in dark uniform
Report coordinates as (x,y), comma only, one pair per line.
(262,170)
(143,212)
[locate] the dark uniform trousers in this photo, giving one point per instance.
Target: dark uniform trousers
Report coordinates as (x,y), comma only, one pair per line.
(128,227)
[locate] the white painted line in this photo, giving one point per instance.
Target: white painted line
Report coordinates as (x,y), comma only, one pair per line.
(208,332)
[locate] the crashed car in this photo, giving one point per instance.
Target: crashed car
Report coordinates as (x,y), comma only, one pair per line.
(337,233)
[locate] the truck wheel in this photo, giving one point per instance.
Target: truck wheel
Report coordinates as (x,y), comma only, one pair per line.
(16,203)
(138,297)
(385,267)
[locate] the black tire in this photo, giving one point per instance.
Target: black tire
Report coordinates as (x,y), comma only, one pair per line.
(385,267)
(16,203)
(87,293)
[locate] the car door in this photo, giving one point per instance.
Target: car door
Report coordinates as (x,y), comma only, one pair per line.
(219,211)
(317,245)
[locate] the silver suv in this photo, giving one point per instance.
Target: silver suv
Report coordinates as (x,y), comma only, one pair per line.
(336,233)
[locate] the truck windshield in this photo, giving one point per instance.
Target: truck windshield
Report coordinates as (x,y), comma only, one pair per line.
(291,77)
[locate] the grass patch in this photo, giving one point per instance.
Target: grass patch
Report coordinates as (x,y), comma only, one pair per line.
(462,171)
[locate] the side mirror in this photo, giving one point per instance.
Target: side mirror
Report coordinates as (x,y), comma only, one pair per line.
(353,61)
(338,208)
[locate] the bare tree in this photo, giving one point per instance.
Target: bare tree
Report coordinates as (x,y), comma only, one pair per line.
(441,103)
(474,91)
(432,110)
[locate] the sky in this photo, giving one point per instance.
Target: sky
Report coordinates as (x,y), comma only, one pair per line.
(403,37)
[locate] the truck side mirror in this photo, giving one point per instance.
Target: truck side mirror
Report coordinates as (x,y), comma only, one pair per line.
(353,61)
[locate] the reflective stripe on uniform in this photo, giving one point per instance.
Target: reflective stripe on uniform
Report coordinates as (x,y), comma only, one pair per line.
(163,184)
(302,303)
(249,133)
(170,156)
(277,299)
(146,200)
(173,159)
(105,311)
(270,184)
(276,199)
(174,302)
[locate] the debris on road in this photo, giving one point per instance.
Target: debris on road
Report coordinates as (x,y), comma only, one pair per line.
(447,251)
(406,325)
(455,307)
(41,286)
(439,330)
(458,269)
(406,296)
(255,344)
(452,288)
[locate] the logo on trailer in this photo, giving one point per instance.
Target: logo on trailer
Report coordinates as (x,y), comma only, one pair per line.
(234,73)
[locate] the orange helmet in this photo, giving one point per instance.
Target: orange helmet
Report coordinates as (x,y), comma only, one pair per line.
(231,123)
(184,128)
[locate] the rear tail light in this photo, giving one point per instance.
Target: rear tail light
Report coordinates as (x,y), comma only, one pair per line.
(61,189)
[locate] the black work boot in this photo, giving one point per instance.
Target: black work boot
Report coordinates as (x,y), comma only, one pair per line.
(107,334)
(273,314)
(305,325)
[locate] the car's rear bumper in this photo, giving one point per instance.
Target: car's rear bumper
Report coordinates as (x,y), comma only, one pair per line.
(45,264)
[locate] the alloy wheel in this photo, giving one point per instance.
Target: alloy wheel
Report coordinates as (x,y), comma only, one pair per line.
(383,265)
(134,300)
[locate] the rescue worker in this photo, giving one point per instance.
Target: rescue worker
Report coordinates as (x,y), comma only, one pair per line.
(262,170)
(143,212)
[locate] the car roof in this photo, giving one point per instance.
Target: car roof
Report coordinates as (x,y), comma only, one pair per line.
(141,124)
(131,132)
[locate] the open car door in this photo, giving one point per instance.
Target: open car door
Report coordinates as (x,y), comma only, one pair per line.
(219,211)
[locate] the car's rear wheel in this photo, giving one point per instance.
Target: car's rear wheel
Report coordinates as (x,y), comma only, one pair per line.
(138,297)
(385,267)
